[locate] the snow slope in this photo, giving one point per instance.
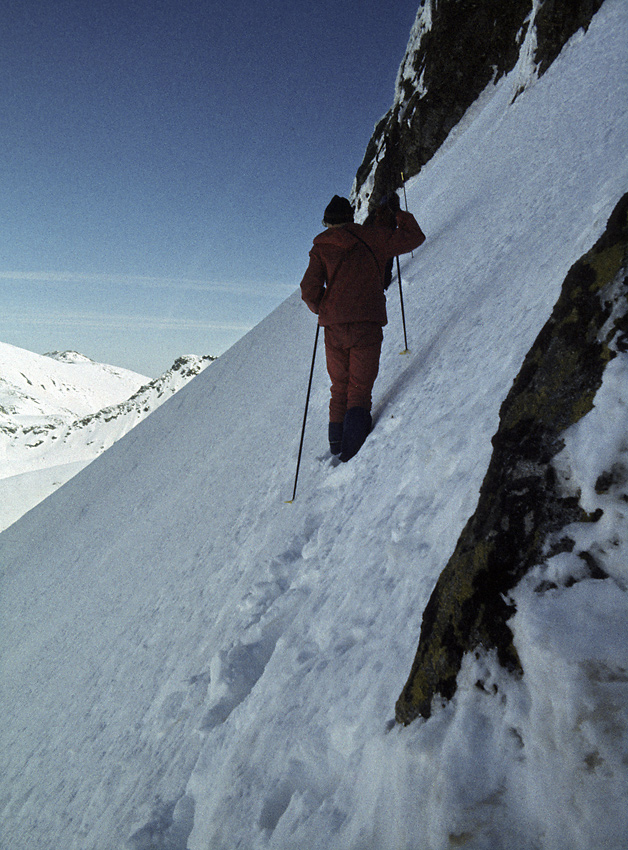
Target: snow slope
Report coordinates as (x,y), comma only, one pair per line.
(189,662)
(41,399)
(60,411)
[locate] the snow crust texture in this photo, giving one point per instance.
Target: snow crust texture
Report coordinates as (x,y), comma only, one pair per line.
(190,663)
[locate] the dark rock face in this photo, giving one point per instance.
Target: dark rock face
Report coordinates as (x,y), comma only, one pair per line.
(521,510)
(467,45)
(556,21)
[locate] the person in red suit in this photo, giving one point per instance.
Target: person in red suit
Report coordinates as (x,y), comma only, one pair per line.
(344,284)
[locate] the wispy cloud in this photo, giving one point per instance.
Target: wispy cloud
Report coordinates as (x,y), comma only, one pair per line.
(178,283)
(107,321)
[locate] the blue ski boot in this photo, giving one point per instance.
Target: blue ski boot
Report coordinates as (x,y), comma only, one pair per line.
(335,437)
(357,426)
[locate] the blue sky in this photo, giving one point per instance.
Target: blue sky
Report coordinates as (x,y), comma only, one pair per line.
(166,163)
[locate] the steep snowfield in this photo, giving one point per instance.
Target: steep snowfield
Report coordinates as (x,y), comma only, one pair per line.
(60,411)
(189,662)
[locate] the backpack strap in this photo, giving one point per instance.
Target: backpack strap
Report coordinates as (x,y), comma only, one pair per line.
(371,251)
(348,254)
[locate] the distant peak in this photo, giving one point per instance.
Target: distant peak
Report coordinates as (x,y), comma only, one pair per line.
(68,357)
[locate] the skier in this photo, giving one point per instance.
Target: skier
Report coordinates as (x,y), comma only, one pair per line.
(349,269)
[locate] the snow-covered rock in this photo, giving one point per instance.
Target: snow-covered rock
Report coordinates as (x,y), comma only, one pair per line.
(458,48)
(527,513)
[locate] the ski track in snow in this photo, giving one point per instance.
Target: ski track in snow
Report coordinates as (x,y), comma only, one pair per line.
(197,664)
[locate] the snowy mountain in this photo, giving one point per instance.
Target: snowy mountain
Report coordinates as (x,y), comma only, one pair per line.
(191,663)
(62,384)
(61,410)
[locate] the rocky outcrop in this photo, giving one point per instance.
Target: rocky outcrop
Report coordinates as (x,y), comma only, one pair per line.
(151,395)
(456,49)
(522,506)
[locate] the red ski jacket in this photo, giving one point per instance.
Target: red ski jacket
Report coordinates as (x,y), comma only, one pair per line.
(344,281)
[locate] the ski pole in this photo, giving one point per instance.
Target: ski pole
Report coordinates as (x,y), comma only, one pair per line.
(403,314)
(307,402)
(405,198)
(403,183)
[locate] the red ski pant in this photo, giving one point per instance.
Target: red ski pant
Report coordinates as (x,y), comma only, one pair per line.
(353,350)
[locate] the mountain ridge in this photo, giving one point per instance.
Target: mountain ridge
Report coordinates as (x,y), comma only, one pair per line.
(73,382)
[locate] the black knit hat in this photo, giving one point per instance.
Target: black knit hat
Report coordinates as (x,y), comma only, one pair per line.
(338,211)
